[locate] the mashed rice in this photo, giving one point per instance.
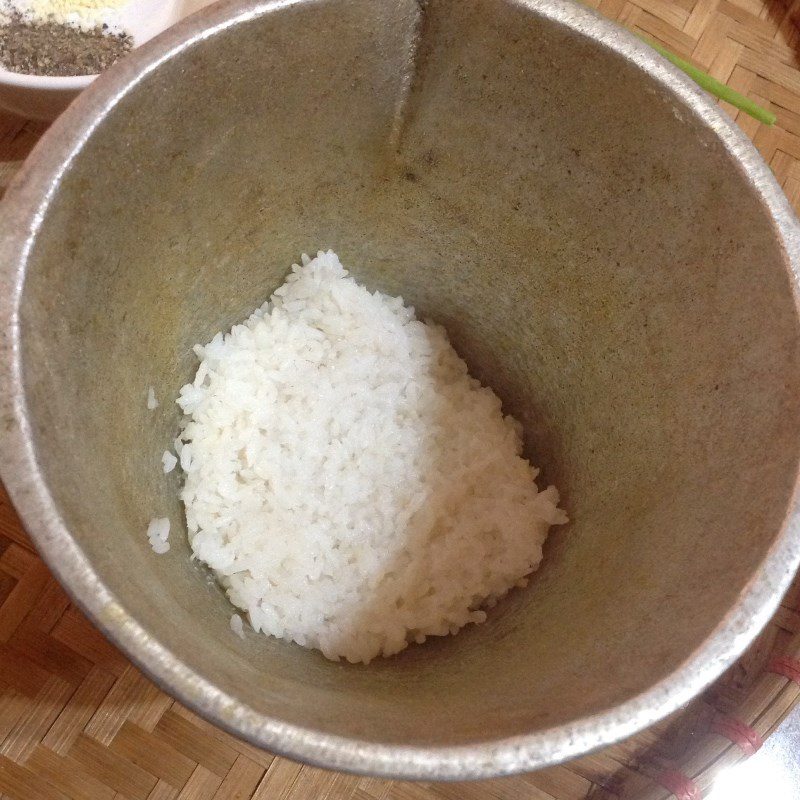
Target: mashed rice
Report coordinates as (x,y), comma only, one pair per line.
(351,486)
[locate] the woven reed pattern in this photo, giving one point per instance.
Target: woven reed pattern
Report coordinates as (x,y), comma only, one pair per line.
(78,722)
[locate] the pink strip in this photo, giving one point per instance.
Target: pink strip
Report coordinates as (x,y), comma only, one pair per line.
(743,736)
(788,667)
(682,787)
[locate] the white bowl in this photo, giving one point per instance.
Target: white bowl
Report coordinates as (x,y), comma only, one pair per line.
(44,97)
(39,96)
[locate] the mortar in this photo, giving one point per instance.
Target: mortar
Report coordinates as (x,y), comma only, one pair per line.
(606,251)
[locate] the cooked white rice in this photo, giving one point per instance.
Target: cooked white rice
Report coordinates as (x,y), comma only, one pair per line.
(237,626)
(168,462)
(351,486)
(158,534)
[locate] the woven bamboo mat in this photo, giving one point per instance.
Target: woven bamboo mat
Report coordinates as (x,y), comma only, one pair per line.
(78,722)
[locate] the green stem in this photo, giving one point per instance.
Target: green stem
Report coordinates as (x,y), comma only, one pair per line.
(715,87)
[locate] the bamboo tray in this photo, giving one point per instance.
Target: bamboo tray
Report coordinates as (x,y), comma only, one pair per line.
(78,722)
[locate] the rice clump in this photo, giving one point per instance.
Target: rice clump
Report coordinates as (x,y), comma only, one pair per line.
(351,486)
